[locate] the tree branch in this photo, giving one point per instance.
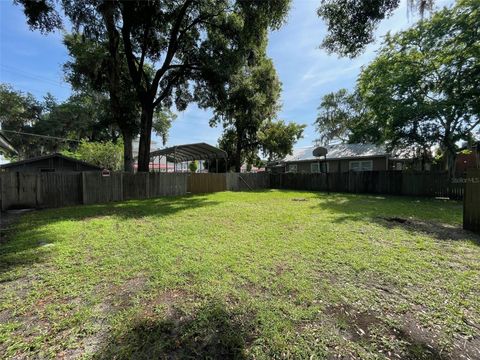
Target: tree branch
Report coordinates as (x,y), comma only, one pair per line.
(144,51)
(129,54)
(172,46)
(166,90)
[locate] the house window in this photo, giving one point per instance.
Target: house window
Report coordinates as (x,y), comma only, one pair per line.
(317,167)
(361,165)
(292,168)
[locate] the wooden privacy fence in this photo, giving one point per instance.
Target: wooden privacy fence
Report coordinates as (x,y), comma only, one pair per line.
(63,189)
(48,190)
(247,181)
(40,190)
(206,183)
(372,182)
(471,202)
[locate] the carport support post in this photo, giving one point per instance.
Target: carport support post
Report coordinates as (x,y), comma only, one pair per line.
(216,164)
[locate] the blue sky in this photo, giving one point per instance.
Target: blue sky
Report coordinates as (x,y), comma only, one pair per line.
(32,62)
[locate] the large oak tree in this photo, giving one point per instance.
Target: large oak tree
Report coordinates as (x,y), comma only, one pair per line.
(192,46)
(424,85)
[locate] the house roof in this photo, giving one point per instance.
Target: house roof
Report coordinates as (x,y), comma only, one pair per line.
(338,151)
(199,151)
(55,155)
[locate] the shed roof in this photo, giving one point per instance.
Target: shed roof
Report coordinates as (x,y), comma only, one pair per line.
(55,155)
(198,151)
(338,151)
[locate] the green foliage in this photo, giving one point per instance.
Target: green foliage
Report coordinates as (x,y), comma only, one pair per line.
(250,100)
(466,152)
(88,72)
(41,15)
(107,154)
(162,122)
(228,143)
(20,112)
(193,166)
(80,116)
(339,112)
(175,51)
(351,23)
(277,138)
(423,87)
(92,69)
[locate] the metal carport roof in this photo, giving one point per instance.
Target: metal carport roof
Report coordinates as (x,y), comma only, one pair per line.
(188,152)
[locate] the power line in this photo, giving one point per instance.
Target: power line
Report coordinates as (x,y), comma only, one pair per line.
(29,73)
(32,76)
(37,135)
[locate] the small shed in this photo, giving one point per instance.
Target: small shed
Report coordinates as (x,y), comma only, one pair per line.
(49,163)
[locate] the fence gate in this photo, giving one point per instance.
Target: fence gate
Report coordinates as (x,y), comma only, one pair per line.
(206,183)
(471,201)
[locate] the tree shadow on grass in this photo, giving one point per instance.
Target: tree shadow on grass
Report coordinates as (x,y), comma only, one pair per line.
(26,243)
(212,332)
(159,207)
(392,212)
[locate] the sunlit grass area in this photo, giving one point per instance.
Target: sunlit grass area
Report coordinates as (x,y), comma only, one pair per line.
(272,274)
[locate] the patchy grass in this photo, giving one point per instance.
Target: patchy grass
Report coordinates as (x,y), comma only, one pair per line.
(273,274)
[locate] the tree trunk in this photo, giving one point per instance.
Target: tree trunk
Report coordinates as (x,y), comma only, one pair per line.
(127,151)
(451,158)
(114,86)
(145,138)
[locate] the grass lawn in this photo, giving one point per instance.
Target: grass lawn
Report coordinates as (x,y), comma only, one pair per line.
(270,274)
